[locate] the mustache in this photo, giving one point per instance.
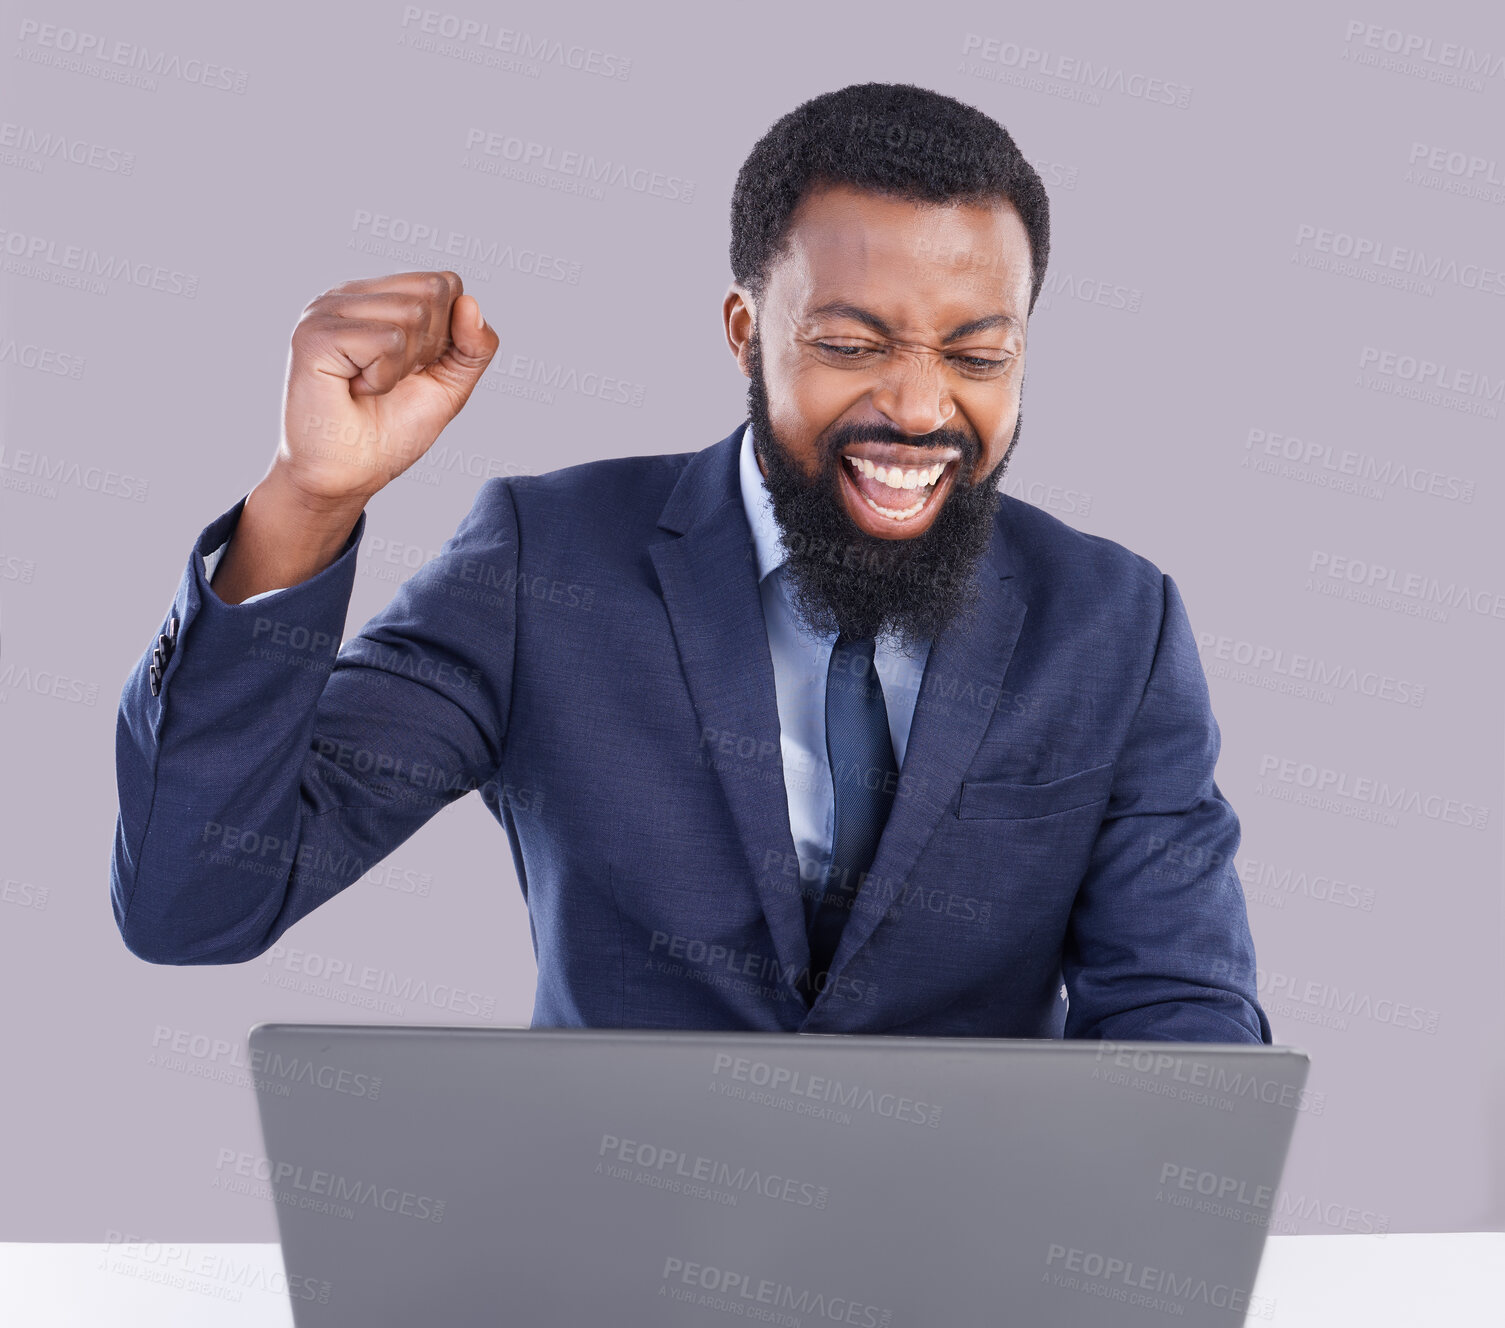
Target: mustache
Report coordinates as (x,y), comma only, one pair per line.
(941,440)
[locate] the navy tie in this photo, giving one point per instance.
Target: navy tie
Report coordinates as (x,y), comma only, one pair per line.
(863,775)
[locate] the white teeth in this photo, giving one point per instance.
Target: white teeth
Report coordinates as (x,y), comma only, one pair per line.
(902,515)
(897,477)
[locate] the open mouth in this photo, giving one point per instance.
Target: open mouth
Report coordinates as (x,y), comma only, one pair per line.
(900,494)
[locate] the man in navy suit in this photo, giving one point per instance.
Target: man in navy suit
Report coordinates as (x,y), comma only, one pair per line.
(813,729)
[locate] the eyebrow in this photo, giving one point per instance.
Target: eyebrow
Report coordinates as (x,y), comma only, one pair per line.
(841,309)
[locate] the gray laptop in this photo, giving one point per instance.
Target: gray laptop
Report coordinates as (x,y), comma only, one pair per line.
(650,1179)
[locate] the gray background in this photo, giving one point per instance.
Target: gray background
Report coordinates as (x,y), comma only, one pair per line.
(1184,312)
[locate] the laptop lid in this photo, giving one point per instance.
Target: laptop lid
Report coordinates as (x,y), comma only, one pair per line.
(581,1177)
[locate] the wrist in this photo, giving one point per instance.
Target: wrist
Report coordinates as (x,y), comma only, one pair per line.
(317,512)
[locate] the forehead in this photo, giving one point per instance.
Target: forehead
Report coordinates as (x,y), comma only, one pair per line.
(903,255)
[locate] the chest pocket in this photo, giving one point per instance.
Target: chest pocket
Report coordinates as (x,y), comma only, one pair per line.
(1004,800)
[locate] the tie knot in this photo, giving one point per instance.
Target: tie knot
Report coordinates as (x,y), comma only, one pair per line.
(855,647)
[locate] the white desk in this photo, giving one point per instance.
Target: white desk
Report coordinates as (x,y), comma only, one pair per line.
(1446,1281)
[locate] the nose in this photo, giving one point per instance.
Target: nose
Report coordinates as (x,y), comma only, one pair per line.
(913,396)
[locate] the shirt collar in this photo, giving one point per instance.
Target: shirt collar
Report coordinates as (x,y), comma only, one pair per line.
(758,504)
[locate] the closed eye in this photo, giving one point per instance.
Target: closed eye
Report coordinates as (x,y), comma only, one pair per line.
(976,363)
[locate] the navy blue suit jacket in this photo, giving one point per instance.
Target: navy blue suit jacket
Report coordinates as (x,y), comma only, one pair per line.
(588,653)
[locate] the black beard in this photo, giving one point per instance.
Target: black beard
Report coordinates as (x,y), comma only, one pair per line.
(841,579)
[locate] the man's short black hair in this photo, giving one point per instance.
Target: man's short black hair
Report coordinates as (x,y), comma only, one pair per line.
(893,138)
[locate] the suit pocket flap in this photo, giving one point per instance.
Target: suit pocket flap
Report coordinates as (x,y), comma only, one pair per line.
(1004,800)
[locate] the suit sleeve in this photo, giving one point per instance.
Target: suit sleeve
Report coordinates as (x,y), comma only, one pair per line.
(1158,944)
(274,766)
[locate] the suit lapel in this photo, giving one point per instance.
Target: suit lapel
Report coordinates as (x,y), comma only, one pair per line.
(709,580)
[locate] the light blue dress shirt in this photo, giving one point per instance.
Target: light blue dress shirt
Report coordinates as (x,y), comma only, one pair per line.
(800,663)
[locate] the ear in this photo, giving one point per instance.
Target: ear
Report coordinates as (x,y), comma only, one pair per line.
(737,314)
